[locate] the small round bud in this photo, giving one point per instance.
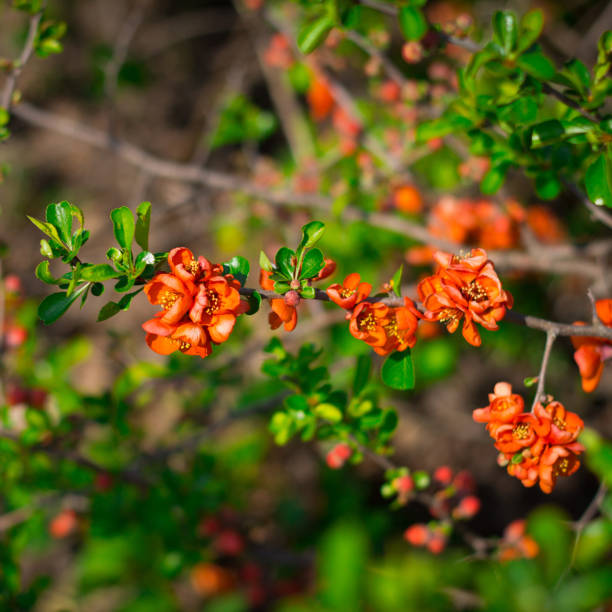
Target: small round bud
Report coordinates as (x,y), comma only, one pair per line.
(467,507)
(63,524)
(292,298)
(443,475)
(403,484)
(412,52)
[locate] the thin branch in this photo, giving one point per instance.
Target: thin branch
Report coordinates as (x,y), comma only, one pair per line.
(551,336)
(18,64)
(555,259)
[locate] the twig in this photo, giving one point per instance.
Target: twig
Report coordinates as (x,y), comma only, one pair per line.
(551,336)
(18,65)
(559,260)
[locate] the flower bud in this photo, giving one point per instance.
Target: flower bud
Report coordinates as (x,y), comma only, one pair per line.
(443,475)
(417,535)
(292,298)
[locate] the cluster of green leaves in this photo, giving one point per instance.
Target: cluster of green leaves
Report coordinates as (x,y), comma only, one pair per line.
(504,107)
(294,270)
(63,242)
(316,410)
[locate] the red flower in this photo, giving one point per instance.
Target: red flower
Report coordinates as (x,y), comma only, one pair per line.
(558,461)
(400,328)
(466,288)
(504,406)
(590,352)
(282,313)
(351,292)
(169,292)
(564,426)
(525,431)
(368,322)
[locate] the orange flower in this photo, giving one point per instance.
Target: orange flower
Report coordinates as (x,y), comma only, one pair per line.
(189,270)
(216,307)
(591,352)
(504,406)
(351,292)
(467,288)
(189,338)
(400,328)
(282,313)
(527,470)
(525,431)
(319,98)
(169,292)
(558,461)
(408,199)
(368,322)
(565,426)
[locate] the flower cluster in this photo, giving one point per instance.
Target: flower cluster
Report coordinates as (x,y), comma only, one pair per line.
(535,446)
(487,225)
(199,305)
(386,329)
(12,333)
(465,288)
(591,353)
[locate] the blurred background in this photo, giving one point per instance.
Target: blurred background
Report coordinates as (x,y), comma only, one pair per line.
(211,84)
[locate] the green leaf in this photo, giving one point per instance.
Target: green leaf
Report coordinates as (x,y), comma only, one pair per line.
(398,370)
(546,133)
(284,262)
(312,264)
(281,287)
(362,373)
(313,33)
(112,308)
(531,28)
(598,181)
(125,283)
(412,22)
(144,259)
(329,412)
(98,272)
(530,381)
(60,216)
(43,273)
(447,124)
(46,228)
(56,304)
(143,222)
(311,234)
(45,249)
(265,263)
(254,301)
(548,186)
(537,65)
(396,281)
(123,226)
(494,179)
(239,267)
(505,30)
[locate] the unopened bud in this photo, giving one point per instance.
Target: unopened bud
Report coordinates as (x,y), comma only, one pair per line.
(292,298)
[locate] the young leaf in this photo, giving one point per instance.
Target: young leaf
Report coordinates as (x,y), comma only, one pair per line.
(396,281)
(412,23)
(311,234)
(307,292)
(98,272)
(284,262)
(312,34)
(312,264)
(123,226)
(505,30)
(60,216)
(398,370)
(598,181)
(56,304)
(143,221)
(531,27)
(43,273)
(265,263)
